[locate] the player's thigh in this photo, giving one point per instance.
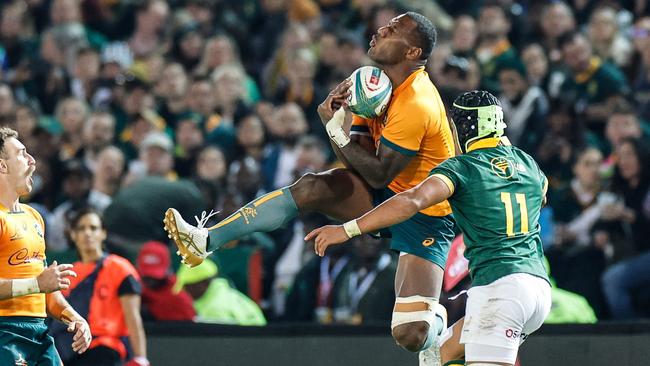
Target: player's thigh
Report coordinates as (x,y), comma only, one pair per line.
(48,354)
(423,242)
(542,291)
(498,316)
(417,276)
(26,342)
(10,351)
(338,193)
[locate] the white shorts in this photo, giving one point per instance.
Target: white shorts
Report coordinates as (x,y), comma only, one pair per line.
(499,316)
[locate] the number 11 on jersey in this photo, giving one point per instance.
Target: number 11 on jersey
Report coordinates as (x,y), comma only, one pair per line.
(506,198)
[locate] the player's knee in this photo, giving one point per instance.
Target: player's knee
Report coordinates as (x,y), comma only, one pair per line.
(306,189)
(411,336)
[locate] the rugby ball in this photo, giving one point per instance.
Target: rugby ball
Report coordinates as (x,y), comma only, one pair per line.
(370,92)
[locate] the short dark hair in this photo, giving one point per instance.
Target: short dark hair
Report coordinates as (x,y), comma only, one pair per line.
(77,213)
(495,4)
(426,33)
(622,106)
(567,38)
(5,133)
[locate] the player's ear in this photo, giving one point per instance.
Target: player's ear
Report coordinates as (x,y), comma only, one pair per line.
(414,53)
(3,166)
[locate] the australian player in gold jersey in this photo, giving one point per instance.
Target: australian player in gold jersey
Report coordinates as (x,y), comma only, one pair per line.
(383,156)
(29,291)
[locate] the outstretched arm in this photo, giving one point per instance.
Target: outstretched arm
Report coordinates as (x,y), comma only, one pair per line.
(393,211)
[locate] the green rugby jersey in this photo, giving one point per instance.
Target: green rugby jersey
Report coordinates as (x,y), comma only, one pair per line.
(498,192)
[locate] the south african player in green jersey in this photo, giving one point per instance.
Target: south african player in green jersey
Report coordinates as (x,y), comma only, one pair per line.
(496,192)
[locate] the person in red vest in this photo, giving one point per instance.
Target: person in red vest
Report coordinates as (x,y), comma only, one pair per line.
(158,299)
(107,293)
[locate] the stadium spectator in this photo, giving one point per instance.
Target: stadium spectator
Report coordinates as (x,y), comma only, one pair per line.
(622,123)
(150,20)
(230,93)
(556,19)
(524,106)
(109,171)
(641,88)
(155,159)
(576,260)
(78,193)
(189,139)
(98,133)
(159,302)
(309,298)
(592,84)
(280,158)
(563,136)
(465,36)
(210,175)
(7,104)
(365,293)
(172,89)
(251,137)
(605,36)
(71,113)
(215,301)
(493,48)
(200,96)
(631,182)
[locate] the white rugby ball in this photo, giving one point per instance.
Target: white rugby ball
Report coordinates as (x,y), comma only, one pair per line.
(370,92)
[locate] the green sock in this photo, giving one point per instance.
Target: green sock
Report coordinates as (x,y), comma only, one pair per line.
(265,213)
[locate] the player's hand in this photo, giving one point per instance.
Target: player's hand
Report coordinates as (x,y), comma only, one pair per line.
(55,277)
(336,99)
(326,236)
(81,338)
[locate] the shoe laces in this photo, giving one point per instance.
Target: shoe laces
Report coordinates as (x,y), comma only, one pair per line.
(201,222)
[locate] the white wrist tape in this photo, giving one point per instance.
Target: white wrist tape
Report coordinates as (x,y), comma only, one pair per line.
(352,228)
(25,286)
(335,130)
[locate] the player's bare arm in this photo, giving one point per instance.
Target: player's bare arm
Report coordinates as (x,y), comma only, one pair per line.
(53,278)
(393,211)
(59,308)
(377,170)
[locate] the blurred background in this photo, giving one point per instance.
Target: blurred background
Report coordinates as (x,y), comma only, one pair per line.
(132,107)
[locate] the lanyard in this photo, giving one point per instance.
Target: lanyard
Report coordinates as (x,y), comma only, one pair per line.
(328,277)
(356,290)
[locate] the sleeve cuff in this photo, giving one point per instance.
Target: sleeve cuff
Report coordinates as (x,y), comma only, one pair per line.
(394,146)
(446,181)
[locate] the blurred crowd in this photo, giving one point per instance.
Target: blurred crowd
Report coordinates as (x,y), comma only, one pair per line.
(134,106)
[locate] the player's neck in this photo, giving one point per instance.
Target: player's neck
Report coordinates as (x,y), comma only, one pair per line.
(400,72)
(9,199)
(91,256)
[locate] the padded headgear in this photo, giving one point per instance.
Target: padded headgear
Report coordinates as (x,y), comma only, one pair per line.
(477,114)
